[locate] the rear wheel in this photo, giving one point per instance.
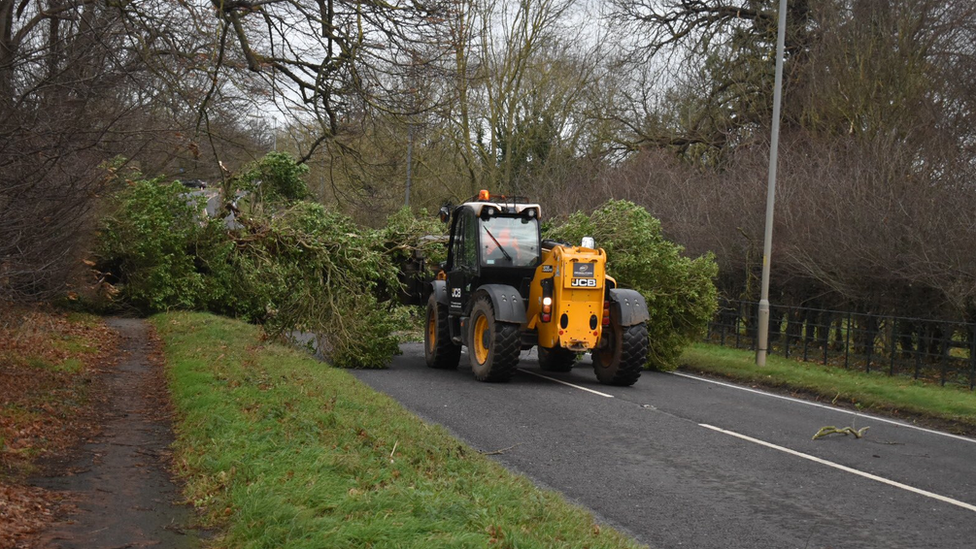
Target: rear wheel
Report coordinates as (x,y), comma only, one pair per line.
(440,351)
(557,359)
(493,347)
(621,361)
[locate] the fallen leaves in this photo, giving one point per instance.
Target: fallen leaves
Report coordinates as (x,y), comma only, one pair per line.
(49,363)
(24,510)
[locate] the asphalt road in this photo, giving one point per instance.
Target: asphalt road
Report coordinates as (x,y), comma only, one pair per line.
(682,462)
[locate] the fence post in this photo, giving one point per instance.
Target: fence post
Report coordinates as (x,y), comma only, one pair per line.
(945,353)
(721,326)
(786,333)
(847,342)
(891,366)
(805,334)
(826,342)
(754,323)
(870,341)
(972,359)
(738,315)
(918,347)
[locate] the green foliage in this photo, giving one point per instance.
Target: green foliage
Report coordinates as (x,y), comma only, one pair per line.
(680,295)
(300,268)
(274,178)
(407,236)
(146,244)
(405,232)
(318,272)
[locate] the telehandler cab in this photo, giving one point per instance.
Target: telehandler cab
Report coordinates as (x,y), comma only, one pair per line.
(503,290)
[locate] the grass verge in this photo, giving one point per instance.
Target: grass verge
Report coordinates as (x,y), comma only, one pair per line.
(282,451)
(952,408)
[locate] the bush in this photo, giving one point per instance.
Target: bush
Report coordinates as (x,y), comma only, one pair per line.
(146,246)
(318,272)
(275,177)
(406,238)
(405,233)
(292,266)
(681,297)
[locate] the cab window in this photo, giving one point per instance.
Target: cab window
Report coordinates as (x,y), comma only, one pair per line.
(509,242)
(466,242)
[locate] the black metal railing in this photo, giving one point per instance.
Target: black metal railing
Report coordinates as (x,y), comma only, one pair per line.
(932,350)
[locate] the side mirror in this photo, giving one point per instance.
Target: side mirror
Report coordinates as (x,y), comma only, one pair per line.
(444,214)
(588,243)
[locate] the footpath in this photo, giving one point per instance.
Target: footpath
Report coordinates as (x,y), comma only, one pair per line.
(119,482)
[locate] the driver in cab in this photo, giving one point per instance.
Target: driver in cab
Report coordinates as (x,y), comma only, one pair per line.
(500,246)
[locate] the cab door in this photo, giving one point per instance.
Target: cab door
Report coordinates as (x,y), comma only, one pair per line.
(464,269)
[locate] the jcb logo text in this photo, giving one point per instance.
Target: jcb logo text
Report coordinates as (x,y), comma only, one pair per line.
(583,283)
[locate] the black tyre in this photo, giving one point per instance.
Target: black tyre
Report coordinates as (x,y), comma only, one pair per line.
(620,363)
(440,351)
(557,359)
(493,347)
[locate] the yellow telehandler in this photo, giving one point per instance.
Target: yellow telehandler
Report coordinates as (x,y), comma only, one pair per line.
(503,290)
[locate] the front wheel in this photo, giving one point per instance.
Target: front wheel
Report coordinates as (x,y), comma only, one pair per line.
(621,361)
(439,350)
(493,347)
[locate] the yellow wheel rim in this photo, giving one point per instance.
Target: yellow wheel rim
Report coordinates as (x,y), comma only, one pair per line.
(604,357)
(432,332)
(480,329)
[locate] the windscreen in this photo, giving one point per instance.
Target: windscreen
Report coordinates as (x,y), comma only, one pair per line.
(509,242)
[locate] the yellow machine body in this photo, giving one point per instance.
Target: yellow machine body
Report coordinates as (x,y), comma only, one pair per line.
(574,278)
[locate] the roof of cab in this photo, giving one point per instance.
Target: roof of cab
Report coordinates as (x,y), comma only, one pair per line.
(504,207)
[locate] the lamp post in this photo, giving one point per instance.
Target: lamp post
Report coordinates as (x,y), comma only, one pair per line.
(762,345)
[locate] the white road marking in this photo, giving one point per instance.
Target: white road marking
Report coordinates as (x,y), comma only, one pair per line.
(565,383)
(844,468)
(826,407)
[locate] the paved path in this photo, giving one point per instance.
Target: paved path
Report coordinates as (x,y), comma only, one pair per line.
(683,462)
(124,495)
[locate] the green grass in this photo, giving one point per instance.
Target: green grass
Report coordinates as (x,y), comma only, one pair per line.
(898,395)
(282,451)
(70,365)
(84,319)
(40,363)
(75,345)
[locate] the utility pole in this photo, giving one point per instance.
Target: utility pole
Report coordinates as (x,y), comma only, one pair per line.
(762,345)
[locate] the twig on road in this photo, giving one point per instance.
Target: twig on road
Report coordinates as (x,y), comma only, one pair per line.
(499,452)
(831,430)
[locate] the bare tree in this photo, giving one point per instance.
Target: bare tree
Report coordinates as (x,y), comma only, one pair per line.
(54,66)
(77,89)
(875,188)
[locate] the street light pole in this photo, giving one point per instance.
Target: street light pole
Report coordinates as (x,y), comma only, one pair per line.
(762,345)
